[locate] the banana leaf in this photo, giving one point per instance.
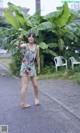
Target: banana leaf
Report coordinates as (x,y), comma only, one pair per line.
(16,9)
(63,18)
(36,18)
(52,45)
(43,45)
(47,51)
(71,18)
(45,26)
(11,19)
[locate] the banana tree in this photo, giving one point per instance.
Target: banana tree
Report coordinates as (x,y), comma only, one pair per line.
(22,23)
(72,39)
(60,19)
(55,22)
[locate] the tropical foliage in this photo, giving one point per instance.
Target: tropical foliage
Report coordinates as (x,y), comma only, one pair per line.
(56,33)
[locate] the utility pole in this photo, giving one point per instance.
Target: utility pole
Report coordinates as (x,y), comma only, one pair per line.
(1,3)
(38,5)
(1,7)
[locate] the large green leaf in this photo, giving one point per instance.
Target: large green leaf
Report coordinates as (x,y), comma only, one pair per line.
(40,38)
(47,51)
(36,18)
(62,31)
(28,22)
(52,45)
(6,35)
(72,36)
(11,19)
(16,9)
(71,18)
(35,30)
(73,26)
(23,32)
(6,32)
(53,15)
(50,16)
(63,18)
(43,45)
(21,20)
(45,26)
(21,16)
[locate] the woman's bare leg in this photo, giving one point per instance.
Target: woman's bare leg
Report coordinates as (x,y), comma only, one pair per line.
(36,91)
(23,90)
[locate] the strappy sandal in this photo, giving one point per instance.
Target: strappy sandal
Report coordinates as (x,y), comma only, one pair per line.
(23,106)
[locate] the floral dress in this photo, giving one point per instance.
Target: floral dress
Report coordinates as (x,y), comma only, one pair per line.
(28,62)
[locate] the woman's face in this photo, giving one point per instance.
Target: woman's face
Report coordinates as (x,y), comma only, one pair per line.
(31,39)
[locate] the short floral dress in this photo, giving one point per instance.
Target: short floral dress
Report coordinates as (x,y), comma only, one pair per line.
(28,61)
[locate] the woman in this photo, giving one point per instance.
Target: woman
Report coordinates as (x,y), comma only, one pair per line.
(30,52)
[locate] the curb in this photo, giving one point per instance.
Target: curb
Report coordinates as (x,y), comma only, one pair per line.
(65,108)
(7,69)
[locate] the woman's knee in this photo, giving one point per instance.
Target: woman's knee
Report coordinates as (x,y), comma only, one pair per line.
(24,86)
(35,86)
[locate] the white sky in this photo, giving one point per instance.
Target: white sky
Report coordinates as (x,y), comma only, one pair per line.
(47,6)
(24,3)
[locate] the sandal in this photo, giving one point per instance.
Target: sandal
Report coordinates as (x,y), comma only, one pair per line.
(23,106)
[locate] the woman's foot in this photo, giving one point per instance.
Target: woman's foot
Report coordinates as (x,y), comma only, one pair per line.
(23,106)
(37,102)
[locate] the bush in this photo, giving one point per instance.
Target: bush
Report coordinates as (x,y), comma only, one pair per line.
(16,62)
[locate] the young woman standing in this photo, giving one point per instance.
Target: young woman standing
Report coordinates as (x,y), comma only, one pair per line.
(30,53)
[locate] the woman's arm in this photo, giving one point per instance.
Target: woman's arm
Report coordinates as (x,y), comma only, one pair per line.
(38,58)
(19,43)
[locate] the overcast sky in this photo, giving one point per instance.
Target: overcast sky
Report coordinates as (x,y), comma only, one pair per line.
(47,6)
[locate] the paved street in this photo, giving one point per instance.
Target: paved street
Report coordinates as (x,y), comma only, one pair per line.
(59,111)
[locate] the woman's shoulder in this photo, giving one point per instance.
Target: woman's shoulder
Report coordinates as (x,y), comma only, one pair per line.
(37,46)
(24,45)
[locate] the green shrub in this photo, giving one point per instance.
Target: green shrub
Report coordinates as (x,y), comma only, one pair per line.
(16,62)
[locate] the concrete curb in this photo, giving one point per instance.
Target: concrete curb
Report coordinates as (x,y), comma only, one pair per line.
(62,106)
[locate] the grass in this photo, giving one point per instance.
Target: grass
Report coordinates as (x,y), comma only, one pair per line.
(5,61)
(73,75)
(50,73)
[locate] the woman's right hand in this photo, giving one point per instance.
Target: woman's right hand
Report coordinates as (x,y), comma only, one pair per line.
(21,38)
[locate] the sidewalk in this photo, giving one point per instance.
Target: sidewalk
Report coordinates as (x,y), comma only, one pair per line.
(59,111)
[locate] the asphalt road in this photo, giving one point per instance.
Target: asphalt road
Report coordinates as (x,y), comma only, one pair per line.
(59,111)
